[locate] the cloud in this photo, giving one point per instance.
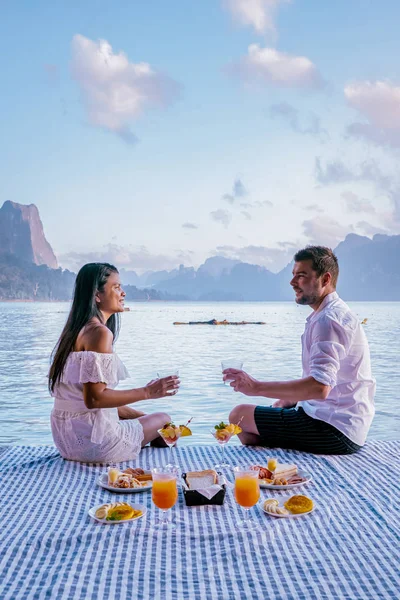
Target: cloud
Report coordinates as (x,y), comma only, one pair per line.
(259,14)
(260,203)
(130,257)
(325,231)
(115,91)
(190,226)
(356,204)
(271,67)
(311,126)
(336,172)
(221,216)
(369,229)
(273,259)
(238,191)
(246,215)
(379,103)
(314,208)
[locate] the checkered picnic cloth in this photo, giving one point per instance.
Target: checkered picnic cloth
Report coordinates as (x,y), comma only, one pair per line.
(347,548)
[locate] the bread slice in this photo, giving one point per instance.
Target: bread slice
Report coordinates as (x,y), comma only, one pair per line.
(197,480)
(284,471)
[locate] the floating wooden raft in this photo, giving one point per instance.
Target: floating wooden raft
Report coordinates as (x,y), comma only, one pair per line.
(224,322)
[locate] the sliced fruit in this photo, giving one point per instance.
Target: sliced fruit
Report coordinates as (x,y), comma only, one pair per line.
(237,429)
(121,512)
(185,431)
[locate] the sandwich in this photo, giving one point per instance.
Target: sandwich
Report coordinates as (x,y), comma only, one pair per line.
(198,480)
(284,471)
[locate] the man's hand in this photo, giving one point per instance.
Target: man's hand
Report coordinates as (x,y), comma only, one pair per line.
(284,404)
(166,386)
(241,381)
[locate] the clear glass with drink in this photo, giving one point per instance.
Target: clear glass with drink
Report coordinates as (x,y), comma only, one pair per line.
(247,492)
(231,363)
(164,493)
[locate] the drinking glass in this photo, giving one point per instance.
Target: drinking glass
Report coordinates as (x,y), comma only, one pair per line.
(231,363)
(164,493)
(222,442)
(171,443)
(161,373)
(247,493)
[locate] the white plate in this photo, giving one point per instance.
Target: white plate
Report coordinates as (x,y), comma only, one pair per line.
(103,481)
(270,486)
(288,516)
(92,513)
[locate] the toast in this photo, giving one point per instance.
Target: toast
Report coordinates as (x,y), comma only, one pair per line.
(197,480)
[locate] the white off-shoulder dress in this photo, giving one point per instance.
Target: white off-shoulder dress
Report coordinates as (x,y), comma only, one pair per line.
(92,435)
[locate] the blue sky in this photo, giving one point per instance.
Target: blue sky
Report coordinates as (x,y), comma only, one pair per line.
(244,128)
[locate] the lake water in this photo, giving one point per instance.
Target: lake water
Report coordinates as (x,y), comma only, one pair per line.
(149,341)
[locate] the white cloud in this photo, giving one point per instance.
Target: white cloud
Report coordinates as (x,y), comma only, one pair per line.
(379,102)
(190,226)
(238,191)
(221,216)
(308,124)
(131,258)
(326,231)
(271,67)
(259,14)
(115,91)
(336,172)
(356,204)
(246,215)
(273,259)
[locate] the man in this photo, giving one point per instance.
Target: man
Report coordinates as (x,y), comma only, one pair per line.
(330,409)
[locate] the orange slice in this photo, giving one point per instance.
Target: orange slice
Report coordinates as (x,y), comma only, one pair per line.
(185,431)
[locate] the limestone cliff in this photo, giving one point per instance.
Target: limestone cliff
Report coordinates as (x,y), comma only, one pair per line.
(21,234)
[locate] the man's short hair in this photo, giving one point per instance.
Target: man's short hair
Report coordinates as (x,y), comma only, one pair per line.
(323,261)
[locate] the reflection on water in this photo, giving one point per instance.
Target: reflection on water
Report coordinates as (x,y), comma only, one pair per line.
(149,343)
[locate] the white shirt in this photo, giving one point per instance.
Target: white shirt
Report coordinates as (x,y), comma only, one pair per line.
(336,353)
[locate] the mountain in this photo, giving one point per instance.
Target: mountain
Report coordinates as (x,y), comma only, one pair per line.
(22,236)
(22,280)
(369,270)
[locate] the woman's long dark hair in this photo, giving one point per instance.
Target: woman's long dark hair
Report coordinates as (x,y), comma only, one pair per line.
(90,280)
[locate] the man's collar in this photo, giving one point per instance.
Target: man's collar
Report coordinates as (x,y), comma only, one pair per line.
(328,298)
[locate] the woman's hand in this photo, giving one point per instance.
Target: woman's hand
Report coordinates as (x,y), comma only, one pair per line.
(241,381)
(159,388)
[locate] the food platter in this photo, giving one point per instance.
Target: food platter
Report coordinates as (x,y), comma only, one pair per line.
(143,509)
(103,482)
(270,486)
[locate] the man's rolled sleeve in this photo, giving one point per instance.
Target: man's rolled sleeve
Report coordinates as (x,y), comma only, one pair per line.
(327,350)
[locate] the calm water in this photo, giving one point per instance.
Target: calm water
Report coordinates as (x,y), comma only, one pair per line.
(149,342)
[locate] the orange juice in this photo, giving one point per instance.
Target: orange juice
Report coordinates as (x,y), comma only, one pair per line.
(272,464)
(164,492)
(247,491)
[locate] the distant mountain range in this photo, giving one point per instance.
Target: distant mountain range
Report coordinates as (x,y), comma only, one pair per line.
(369,270)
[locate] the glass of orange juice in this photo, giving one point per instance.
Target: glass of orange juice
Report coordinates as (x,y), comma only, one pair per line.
(247,492)
(165,493)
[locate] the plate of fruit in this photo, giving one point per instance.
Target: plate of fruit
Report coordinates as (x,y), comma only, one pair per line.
(288,508)
(118,512)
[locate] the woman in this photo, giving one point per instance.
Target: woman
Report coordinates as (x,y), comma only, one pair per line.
(91,421)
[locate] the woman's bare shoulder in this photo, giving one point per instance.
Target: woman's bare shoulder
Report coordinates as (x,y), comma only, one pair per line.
(95,337)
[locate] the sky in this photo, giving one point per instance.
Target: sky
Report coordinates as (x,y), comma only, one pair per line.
(158,133)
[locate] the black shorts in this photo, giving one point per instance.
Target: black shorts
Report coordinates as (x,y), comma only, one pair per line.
(291,428)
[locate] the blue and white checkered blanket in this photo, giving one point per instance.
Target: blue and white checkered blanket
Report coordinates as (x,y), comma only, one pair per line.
(347,548)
